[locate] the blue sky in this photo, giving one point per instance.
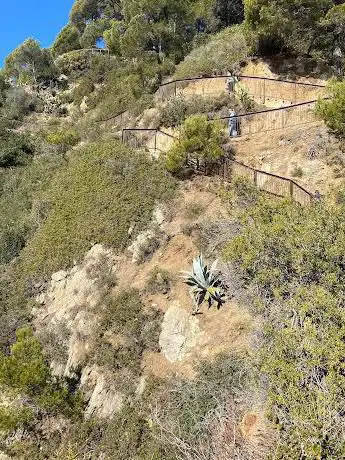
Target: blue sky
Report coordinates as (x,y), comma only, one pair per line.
(40,19)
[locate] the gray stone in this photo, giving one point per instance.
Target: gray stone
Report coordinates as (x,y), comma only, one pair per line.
(180,333)
(59,276)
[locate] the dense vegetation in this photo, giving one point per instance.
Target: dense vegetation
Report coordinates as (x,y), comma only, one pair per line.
(292,258)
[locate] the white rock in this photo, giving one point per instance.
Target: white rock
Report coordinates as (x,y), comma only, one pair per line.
(180,333)
(158,215)
(59,276)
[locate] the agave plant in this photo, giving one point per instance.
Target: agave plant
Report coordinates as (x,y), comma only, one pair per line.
(205,284)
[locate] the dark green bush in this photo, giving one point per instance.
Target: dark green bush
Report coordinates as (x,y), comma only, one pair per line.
(200,141)
(25,371)
(292,258)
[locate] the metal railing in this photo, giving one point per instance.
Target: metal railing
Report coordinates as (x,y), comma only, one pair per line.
(273,184)
(263,88)
(148,139)
(227,169)
(271,119)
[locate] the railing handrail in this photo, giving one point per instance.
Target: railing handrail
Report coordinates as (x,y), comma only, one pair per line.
(277,176)
(299,83)
(230,160)
(275,109)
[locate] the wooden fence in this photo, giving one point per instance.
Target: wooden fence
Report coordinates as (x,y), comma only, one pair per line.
(261,88)
(159,141)
(272,119)
(154,140)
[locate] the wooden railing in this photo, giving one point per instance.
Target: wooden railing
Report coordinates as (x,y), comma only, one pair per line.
(153,140)
(272,119)
(262,88)
(226,168)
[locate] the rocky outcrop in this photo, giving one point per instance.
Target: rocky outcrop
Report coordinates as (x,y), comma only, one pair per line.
(69,309)
(180,333)
(104,401)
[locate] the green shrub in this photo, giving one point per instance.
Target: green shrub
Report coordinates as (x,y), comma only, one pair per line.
(67,40)
(193,210)
(19,103)
(13,418)
(74,63)
(159,281)
(126,330)
(102,191)
(178,108)
(16,149)
(292,258)
(200,141)
(332,111)
(63,139)
(25,371)
(246,101)
(220,54)
(23,203)
(297,172)
(84,88)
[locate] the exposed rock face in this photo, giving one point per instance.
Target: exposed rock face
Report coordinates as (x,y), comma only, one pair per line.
(104,401)
(142,241)
(83,106)
(70,305)
(180,333)
(145,238)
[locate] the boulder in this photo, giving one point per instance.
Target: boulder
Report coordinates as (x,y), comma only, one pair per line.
(180,333)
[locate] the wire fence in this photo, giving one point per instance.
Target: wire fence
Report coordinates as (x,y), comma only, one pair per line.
(228,169)
(261,88)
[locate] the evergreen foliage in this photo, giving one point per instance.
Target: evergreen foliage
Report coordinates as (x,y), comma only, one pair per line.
(292,258)
(333,110)
(199,141)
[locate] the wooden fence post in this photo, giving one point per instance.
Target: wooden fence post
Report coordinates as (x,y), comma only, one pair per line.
(155,141)
(296,93)
(255,177)
(291,189)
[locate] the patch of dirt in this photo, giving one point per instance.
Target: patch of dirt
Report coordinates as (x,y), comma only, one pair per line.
(221,330)
(285,152)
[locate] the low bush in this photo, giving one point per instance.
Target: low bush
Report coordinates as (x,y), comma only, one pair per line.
(63,139)
(16,149)
(297,172)
(193,210)
(19,103)
(23,203)
(126,330)
(179,108)
(25,372)
(100,193)
(85,88)
(291,257)
(74,64)
(159,281)
(332,110)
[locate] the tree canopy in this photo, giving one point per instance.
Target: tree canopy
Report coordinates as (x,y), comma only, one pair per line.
(29,63)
